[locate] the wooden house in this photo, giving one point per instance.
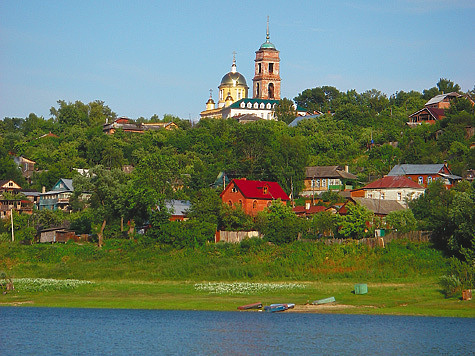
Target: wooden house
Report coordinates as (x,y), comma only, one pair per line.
(434,109)
(320,179)
(424,174)
(252,196)
(27,167)
(58,197)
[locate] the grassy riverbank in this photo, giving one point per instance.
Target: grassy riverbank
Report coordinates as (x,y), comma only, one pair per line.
(402,278)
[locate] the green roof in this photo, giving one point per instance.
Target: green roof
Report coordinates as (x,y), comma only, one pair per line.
(267,45)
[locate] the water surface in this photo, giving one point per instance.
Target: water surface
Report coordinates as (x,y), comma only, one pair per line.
(65,331)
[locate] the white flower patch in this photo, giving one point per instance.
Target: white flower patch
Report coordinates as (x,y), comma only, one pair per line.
(244,287)
(46,284)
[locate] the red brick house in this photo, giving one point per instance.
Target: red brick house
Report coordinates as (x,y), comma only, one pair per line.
(252,195)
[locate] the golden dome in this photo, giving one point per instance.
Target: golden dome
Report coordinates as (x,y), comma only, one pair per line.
(234,79)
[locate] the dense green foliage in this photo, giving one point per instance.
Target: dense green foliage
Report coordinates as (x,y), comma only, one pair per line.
(366,131)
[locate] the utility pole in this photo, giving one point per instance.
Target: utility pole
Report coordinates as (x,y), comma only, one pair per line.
(13,234)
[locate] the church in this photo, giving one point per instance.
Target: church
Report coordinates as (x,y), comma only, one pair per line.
(233,90)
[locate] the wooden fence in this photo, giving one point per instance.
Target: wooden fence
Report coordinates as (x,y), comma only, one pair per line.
(414,236)
(234,236)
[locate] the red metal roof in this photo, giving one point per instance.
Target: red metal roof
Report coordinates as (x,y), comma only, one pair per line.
(392,182)
(255,189)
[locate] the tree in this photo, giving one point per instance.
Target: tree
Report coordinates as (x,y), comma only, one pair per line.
(285,111)
(447,86)
(355,223)
(106,189)
(322,224)
(279,224)
(402,220)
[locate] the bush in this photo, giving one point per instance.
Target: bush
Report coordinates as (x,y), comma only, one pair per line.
(279,224)
(402,220)
(451,285)
(460,277)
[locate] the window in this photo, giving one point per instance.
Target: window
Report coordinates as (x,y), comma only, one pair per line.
(259,68)
(240,202)
(420,180)
(256,106)
(399,196)
(261,106)
(383,195)
(318,183)
(234,190)
(243,105)
(257,89)
(271,90)
(230,203)
(265,190)
(268,106)
(249,105)
(239,94)
(429,180)
(271,67)
(324,182)
(254,204)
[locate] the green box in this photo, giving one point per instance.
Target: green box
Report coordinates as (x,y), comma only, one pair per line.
(361,288)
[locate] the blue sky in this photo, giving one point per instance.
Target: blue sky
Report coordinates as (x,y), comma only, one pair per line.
(162,57)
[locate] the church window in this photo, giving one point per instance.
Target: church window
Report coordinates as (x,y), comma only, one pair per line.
(256,106)
(239,94)
(257,89)
(271,90)
(249,105)
(254,204)
(262,106)
(271,67)
(259,69)
(243,105)
(420,180)
(268,106)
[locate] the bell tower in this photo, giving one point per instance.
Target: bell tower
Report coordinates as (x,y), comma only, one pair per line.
(266,81)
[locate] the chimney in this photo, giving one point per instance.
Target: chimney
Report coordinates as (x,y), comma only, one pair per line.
(43,190)
(346,169)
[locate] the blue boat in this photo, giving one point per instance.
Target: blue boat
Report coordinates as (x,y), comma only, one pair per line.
(276,308)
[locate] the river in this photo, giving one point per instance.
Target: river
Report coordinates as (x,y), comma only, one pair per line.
(66,331)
